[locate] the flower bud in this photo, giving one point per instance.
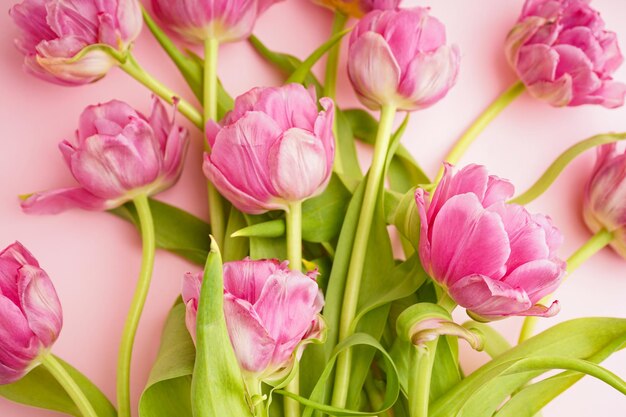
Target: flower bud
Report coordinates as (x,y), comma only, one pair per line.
(604,204)
(270,312)
(119,154)
(60,39)
(274,148)
(199,20)
(357,8)
(30,313)
(563,54)
(495,259)
(400,58)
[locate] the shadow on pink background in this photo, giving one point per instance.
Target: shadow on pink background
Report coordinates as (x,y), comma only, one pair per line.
(94,258)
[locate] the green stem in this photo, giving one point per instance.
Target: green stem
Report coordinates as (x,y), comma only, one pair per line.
(332,62)
(421,369)
(357,259)
(132,68)
(294,256)
(481,123)
(139,299)
(596,243)
(216,203)
(69,385)
(254,389)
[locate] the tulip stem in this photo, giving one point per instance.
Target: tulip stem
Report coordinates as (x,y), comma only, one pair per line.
(422,359)
(139,299)
(480,124)
(332,62)
(132,68)
(596,243)
(293,220)
(255,392)
(70,386)
(216,204)
(357,259)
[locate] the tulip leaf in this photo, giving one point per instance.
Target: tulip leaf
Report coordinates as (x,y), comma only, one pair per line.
(265,247)
(495,343)
(346,158)
(235,249)
(217,387)
(168,391)
(555,169)
(176,230)
(482,392)
(40,389)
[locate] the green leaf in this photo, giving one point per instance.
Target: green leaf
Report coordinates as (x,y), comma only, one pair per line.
(495,343)
(168,391)
(555,169)
(217,387)
(176,230)
(346,147)
(235,249)
(40,389)
(403,214)
(482,392)
(300,74)
(265,247)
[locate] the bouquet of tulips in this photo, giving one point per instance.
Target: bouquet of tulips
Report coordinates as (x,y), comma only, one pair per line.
(298,306)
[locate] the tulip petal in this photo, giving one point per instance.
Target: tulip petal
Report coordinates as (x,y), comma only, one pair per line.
(324,131)
(245,279)
(105,119)
(289,106)
(56,201)
(538,278)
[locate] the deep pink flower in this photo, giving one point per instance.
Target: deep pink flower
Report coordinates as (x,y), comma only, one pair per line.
(358,8)
(562,53)
(30,313)
(199,20)
(119,154)
(272,149)
(400,58)
(605,196)
(270,311)
(495,259)
(56,33)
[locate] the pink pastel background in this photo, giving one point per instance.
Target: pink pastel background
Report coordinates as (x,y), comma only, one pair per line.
(94,258)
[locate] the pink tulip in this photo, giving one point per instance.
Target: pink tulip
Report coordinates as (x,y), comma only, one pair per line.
(274,148)
(358,8)
(562,53)
(495,259)
(119,154)
(400,58)
(30,313)
(271,312)
(60,39)
(605,196)
(199,20)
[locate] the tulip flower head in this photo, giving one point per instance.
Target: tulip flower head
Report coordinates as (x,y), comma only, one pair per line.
(119,154)
(357,8)
(400,58)
(605,196)
(30,313)
(495,259)
(274,148)
(65,41)
(563,54)
(271,313)
(199,20)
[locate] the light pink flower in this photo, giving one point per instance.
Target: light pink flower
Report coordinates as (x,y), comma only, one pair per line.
(605,196)
(563,54)
(199,20)
(358,8)
(119,154)
(495,259)
(272,149)
(270,311)
(400,58)
(30,313)
(56,33)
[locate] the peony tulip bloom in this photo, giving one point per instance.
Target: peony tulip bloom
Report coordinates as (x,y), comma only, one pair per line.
(60,38)
(199,20)
(274,148)
(605,196)
(400,58)
(562,53)
(30,313)
(357,8)
(270,311)
(119,154)
(495,259)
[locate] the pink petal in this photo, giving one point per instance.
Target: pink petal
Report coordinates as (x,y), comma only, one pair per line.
(106,119)
(323,129)
(538,278)
(537,63)
(56,201)
(245,279)
(289,106)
